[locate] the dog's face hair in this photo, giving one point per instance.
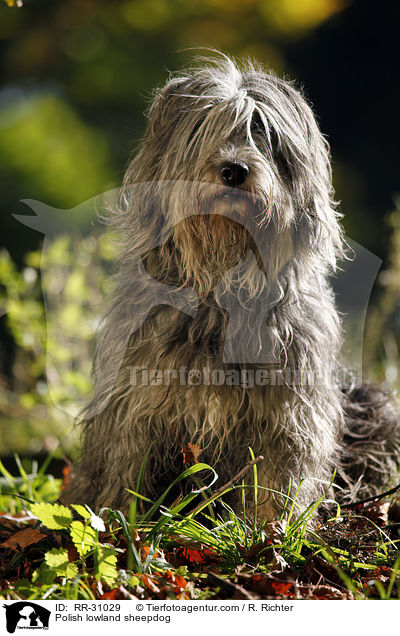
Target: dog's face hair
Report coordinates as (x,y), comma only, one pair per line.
(227,145)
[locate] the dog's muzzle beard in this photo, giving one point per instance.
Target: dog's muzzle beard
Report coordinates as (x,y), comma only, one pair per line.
(213,236)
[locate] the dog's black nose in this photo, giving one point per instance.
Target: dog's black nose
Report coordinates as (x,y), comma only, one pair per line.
(234,173)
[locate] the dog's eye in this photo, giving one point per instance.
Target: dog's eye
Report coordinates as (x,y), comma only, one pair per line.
(257,127)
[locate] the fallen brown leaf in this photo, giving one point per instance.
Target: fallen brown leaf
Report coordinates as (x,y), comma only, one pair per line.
(191,453)
(23,539)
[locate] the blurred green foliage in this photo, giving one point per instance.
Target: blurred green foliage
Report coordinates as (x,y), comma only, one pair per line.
(51,373)
(44,141)
(382,338)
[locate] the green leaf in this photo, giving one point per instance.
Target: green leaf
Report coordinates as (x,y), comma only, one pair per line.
(106,563)
(53,516)
(44,575)
(81,510)
(56,558)
(57,561)
(134,581)
(83,537)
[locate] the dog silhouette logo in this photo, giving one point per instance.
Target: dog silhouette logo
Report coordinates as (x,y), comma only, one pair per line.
(26,615)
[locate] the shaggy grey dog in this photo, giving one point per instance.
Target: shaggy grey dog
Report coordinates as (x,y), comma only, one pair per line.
(223,332)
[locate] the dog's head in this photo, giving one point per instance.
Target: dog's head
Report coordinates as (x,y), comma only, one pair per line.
(239,164)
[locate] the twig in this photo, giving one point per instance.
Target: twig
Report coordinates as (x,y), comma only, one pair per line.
(368,499)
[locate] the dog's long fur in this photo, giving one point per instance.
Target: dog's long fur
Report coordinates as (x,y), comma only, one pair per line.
(268,243)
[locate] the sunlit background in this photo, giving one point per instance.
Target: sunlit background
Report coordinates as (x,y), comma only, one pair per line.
(76,76)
